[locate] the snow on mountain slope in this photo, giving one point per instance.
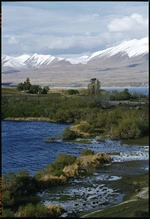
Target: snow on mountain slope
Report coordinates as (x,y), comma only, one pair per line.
(131,48)
(78,60)
(8,61)
(38,60)
(23,58)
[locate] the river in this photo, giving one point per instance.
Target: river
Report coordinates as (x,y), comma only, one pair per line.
(23,147)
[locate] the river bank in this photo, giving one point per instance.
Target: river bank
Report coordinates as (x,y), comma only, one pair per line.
(29,119)
(134,205)
(142,141)
(20,139)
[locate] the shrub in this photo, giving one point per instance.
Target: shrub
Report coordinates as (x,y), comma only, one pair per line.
(17,187)
(73,92)
(86,152)
(7,213)
(39,174)
(56,168)
(69,134)
(125,130)
(64,159)
(7,199)
(39,210)
(86,128)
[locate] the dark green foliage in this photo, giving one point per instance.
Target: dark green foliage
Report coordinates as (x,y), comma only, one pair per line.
(38,175)
(56,168)
(7,213)
(32,89)
(73,109)
(24,86)
(65,159)
(45,90)
(35,89)
(39,210)
(8,199)
(86,152)
(16,187)
(86,128)
(123,95)
(69,134)
(73,92)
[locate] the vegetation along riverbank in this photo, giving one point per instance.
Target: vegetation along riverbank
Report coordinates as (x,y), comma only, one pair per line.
(19,190)
(134,205)
(100,115)
(112,114)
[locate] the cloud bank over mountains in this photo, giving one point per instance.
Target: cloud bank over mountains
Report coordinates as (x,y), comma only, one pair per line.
(59,28)
(131,48)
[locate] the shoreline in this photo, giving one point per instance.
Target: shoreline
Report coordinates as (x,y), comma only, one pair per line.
(135,197)
(45,119)
(142,194)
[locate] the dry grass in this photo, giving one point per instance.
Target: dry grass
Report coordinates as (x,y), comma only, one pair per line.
(85,163)
(75,128)
(55,209)
(53,180)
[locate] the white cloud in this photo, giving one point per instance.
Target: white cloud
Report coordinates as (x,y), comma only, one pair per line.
(12,40)
(127,23)
(82,26)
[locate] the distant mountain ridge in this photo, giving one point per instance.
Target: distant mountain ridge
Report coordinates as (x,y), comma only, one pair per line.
(125,64)
(130,48)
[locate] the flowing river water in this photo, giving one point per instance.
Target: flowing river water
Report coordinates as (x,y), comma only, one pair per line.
(23,147)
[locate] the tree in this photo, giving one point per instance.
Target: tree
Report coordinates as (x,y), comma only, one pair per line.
(73,92)
(45,90)
(34,89)
(27,81)
(24,86)
(125,94)
(94,86)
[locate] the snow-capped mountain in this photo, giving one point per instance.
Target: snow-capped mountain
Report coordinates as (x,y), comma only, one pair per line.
(37,60)
(12,62)
(28,61)
(131,48)
(125,64)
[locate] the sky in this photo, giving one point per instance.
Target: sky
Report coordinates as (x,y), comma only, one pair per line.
(68,28)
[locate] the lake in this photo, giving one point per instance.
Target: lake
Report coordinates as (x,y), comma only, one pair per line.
(23,147)
(140,90)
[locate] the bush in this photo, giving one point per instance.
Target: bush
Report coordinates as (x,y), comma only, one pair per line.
(86,128)
(86,152)
(68,134)
(73,92)
(39,210)
(56,168)
(126,129)
(7,199)
(7,213)
(17,187)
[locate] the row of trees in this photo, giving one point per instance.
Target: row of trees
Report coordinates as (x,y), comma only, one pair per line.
(33,89)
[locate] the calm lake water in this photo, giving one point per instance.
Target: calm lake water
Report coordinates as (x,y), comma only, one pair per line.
(143,90)
(23,147)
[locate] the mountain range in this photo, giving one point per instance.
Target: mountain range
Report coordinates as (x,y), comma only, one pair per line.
(122,65)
